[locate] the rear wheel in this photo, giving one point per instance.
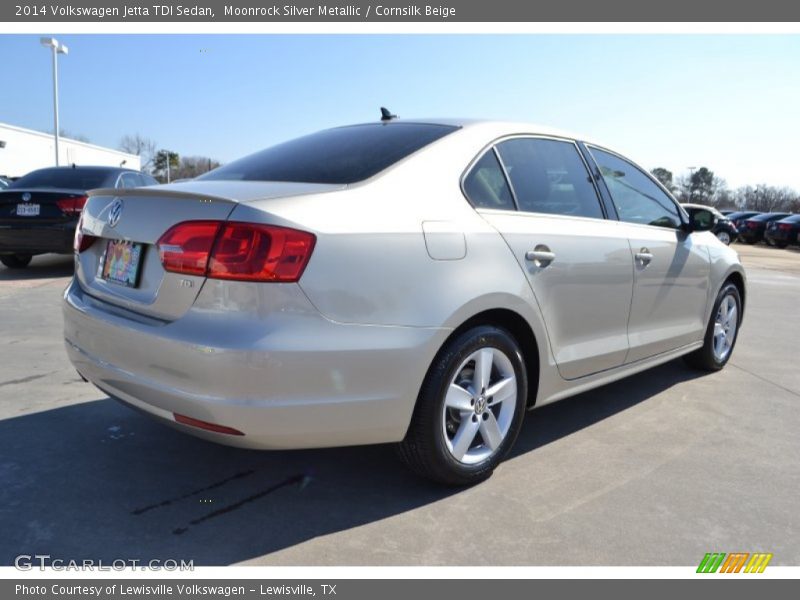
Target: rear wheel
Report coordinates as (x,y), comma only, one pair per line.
(469,410)
(722,331)
(781,244)
(16,261)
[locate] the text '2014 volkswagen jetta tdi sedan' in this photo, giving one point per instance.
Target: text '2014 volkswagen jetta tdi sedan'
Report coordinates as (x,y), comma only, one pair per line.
(416,282)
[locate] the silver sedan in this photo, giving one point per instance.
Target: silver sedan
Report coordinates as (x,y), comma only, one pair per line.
(416,282)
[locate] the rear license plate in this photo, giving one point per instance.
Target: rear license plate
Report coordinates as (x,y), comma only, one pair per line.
(28,210)
(121,262)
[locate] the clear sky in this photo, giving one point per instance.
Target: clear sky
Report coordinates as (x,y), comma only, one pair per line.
(730,103)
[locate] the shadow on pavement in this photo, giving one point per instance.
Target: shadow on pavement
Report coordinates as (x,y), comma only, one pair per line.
(97,480)
(45,266)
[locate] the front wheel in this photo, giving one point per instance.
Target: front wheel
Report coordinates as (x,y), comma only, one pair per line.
(724,237)
(469,410)
(721,333)
(16,261)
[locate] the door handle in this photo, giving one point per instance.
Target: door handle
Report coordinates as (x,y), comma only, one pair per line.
(541,256)
(644,256)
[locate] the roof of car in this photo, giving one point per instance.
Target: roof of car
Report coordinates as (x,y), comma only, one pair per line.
(494,128)
(81,167)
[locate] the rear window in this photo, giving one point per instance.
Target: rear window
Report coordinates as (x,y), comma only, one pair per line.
(67,178)
(342,155)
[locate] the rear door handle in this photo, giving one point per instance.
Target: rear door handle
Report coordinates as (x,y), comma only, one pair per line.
(541,256)
(644,256)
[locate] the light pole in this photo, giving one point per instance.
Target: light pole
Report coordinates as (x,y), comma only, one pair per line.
(691,188)
(57,48)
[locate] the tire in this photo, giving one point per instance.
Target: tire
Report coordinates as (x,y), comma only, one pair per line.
(711,356)
(724,237)
(441,444)
(16,261)
(750,241)
(781,245)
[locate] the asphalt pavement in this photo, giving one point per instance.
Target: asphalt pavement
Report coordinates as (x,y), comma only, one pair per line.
(657,469)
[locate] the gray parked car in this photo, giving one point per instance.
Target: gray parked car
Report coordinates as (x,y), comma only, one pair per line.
(423,283)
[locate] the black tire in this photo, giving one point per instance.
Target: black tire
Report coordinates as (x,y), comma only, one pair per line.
(750,241)
(704,358)
(424,449)
(16,261)
(781,245)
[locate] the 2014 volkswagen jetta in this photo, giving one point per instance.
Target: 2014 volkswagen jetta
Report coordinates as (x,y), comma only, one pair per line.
(416,282)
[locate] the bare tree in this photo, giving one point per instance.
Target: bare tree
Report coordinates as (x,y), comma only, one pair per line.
(767,198)
(193,166)
(141,146)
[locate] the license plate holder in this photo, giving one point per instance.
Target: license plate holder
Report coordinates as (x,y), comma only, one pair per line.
(122,261)
(28,210)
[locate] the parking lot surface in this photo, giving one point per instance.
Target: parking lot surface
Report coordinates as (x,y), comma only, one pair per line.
(657,469)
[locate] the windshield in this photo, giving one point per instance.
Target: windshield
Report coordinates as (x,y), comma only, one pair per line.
(66,178)
(339,156)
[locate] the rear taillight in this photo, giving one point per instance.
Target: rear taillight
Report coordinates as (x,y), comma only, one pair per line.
(82,241)
(752,225)
(235,250)
(784,226)
(71,206)
(185,247)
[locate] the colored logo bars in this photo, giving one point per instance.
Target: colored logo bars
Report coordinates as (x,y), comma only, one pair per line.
(734,563)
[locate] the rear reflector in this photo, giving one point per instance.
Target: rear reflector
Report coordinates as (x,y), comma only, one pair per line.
(236,251)
(71,206)
(184,420)
(82,241)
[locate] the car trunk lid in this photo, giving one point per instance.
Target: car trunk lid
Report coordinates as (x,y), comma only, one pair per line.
(127,225)
(20,207)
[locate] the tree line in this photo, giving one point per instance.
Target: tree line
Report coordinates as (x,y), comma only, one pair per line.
(165,165)
(701,186)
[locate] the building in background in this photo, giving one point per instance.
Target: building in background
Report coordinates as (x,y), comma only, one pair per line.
(24,150)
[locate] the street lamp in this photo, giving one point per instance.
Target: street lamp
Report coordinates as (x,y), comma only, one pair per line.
(57,48)
(691,176)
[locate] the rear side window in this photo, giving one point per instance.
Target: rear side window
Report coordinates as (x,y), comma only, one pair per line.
(486,185)
(549,176)
(637,197)
(342,155)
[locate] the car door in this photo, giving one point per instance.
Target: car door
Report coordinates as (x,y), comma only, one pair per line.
(538,194)
(671,266)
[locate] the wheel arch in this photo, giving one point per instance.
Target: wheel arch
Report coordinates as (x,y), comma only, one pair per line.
(519,328)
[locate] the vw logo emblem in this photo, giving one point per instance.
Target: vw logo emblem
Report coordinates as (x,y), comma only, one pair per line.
(115,212)
(26,197)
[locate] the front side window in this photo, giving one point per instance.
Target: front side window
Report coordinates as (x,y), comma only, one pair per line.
(637,197)
(549,176)
(486,185)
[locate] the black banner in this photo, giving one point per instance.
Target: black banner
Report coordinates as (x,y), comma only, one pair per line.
(50,11)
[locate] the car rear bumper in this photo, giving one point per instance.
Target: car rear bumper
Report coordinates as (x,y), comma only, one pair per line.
(750,235)
(786,237)
(288,378)
(37,239)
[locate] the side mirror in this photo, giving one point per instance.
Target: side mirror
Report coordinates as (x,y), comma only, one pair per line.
(701,220)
